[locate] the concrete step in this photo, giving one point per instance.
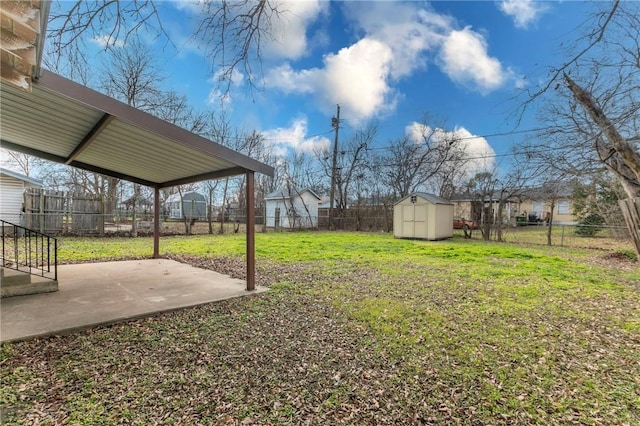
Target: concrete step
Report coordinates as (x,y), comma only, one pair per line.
(18,283)
(13,277)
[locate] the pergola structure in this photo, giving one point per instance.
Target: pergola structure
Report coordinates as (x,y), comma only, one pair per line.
(65,122)
(51,117)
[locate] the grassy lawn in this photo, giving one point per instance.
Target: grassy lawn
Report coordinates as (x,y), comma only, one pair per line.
(358,329)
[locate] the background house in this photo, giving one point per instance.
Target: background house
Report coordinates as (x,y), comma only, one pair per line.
(143,205)
(472,207)
(192,205)
(424,216)
(12,187)
(537,203)
(534,204)
(292,209)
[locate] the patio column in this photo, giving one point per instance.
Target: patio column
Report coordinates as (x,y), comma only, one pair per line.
(251,228)
(156,223)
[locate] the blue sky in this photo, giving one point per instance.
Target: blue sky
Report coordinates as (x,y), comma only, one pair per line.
(461,63)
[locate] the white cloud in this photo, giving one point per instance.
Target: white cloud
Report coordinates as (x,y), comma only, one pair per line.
(107,41)
(523,12)
(285,33)
(406,29)
(289,29)
(294,137)
(289,80)
(223,98)
(218,98)
(355,77)
(465,59)
(398,39)
(480,155)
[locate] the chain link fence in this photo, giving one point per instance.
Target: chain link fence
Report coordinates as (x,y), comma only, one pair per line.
(89,224)
(599,237)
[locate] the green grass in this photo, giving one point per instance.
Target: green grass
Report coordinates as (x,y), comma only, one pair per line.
(357,329)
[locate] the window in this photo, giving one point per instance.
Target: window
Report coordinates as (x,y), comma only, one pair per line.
(537,208)
(563,206)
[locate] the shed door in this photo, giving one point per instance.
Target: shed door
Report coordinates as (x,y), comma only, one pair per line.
(414,221)
(408,229)
(277,218)
(420,221)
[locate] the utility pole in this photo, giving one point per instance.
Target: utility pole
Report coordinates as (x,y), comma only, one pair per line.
(335,123)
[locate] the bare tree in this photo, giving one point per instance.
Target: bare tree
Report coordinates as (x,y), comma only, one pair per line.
(352,161)
(599,197)
(597,99)
(293,199)
(483,188)
(302,168)
(231,32)
(20,161)
(130,74)
(409,165)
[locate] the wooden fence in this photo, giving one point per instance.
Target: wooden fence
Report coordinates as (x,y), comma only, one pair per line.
(358,218)
(55,212)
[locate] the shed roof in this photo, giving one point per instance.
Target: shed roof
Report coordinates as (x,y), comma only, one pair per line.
(65,122)
(285,194)
(26,179)
(433,199)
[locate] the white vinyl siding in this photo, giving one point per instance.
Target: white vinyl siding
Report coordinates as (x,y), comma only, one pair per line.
(11,199)
(295,210)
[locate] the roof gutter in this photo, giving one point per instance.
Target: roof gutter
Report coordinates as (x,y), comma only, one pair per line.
(45,7)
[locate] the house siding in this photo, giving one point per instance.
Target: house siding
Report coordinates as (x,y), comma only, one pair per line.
(558,218)
(297,211)
(11,199)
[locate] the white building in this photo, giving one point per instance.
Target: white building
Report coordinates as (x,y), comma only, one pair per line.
(12,186)
(292,209)
(192,205)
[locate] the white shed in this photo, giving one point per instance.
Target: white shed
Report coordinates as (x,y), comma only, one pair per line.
(293,209)
(12,186)
(423,216)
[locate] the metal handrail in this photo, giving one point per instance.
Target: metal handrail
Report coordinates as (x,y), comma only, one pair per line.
(26,250)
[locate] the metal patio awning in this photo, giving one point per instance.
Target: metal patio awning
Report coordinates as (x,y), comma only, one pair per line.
(65,122)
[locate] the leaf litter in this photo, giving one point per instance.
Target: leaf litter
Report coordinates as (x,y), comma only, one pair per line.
(343,345)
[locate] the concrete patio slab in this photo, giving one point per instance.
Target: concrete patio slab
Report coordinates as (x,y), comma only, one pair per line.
(91,294)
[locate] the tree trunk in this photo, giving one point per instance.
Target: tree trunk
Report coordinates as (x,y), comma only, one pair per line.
(224,204)
(134,207)
(499,233)
(486,223)
(617,154)
(112,192)
(550,221)
(631,212)
(210,211)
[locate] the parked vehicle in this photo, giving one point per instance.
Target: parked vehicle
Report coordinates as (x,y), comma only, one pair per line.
(462,223)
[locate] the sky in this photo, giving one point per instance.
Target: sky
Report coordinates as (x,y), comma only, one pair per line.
(455,65)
